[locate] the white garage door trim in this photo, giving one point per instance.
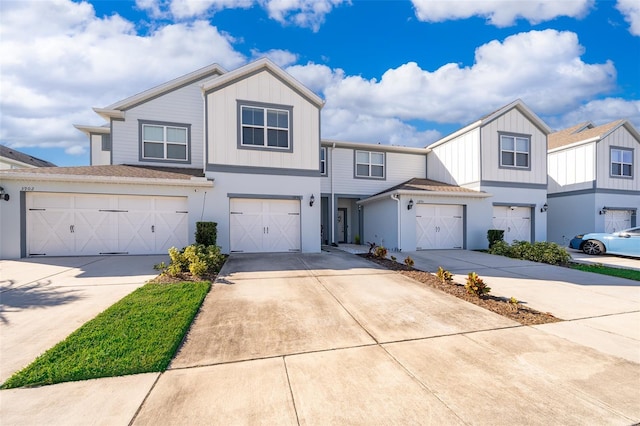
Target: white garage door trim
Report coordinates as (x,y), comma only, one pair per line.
(264,225)
(439,226)
(617,219)
(515,220)
(71,224)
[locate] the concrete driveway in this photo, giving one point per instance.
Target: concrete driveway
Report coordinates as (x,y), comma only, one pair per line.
(332,339)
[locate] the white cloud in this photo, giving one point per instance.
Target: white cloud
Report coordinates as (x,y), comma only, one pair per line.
(501,13)
(303,13)
(315,76)
(631,11)
(63,65)
(600,112)
(543,68)
(283,58)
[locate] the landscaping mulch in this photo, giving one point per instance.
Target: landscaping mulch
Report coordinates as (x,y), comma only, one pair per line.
(168,279)
(499,305)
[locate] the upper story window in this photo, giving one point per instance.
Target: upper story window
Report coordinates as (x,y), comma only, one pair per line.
(323,161)
(106,142)
(370,164)
(265,126)
(515,151)
(621,162)
(164,141)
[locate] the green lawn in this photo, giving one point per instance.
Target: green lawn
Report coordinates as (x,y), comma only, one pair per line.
(605,270)
(138,334)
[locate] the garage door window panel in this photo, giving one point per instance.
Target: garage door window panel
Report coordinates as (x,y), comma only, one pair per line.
(166,142)
(265,126)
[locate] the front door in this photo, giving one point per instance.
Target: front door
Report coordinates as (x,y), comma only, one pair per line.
(342,225)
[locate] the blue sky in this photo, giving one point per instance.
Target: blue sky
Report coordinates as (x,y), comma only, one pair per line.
(391,72)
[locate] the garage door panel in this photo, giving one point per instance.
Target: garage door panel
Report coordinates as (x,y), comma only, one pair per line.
(514,221)
(61,224)
(617,220)
(439,226)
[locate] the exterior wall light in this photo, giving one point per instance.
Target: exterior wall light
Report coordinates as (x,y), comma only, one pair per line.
(544,208)
(410,205)
(603,211)
(3,195)
(312,200)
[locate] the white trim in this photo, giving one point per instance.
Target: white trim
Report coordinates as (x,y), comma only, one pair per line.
(423,193)
(193,182)
(92,129)
(372,147)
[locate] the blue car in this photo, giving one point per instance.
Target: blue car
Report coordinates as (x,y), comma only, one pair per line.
(625,242)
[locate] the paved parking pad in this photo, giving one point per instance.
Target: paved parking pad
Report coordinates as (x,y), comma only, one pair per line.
(257,318)
(393,308)
(361,386)
(253,392)
(523,376)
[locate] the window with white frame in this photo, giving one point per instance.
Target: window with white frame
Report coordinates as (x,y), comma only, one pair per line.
(370,164)
(323,161)
(621,162)
(164,142)
(265,127)
(514,151)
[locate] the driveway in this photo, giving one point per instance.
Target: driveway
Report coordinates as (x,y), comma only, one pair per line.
(330,338)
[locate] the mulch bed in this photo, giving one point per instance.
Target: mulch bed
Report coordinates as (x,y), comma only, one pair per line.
(167,279)
(499,305)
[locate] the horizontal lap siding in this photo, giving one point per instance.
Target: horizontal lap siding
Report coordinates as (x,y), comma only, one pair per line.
(263,88)
(184,106)
(400,168)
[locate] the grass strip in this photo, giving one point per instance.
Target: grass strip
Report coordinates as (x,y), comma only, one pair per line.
(139,334)
(605,270)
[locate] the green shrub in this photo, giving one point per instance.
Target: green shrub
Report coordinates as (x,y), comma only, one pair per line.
(445,276)
(476,286)
(197,259)
(501,248)
(409,262)
(206,233)
(393,258)
(540,251)
(494,235)
(356,239)
(381,252)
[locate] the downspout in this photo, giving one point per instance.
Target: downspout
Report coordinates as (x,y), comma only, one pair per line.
(397,199)
(333,209)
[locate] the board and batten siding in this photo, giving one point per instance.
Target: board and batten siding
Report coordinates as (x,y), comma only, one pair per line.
(262,87)
(513,121)
(620,138)
(184,106)
(456,162)
(400,167)
(572,169)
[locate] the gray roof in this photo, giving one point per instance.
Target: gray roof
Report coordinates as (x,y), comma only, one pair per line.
(15,155)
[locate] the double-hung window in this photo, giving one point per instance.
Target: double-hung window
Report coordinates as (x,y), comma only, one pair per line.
(515,151)
(370,164)
(106,142)
(266,127)
(164,141)
(621,162)
(323,161)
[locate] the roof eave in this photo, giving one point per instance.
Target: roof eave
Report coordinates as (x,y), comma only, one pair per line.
(373,146)
(92,129)
(108,113)
(418,192)
(193,182)
(574,144)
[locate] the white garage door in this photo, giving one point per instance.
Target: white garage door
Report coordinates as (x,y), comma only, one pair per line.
(617,220)
(439,226)
(514,221)
(61,224)
(258,225)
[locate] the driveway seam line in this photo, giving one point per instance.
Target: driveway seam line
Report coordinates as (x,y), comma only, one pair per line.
(293,399)
(135,415)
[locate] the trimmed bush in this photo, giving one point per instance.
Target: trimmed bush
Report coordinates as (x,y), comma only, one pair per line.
(494,235)
(206,233)
(197,259)
(540,251)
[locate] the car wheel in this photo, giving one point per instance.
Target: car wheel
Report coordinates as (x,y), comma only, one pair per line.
(593,247)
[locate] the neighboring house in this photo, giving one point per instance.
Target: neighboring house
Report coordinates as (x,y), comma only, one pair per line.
(594,183)
(503,154)
(14,159)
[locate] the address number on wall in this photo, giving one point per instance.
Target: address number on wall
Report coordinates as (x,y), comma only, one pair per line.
(28,188)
